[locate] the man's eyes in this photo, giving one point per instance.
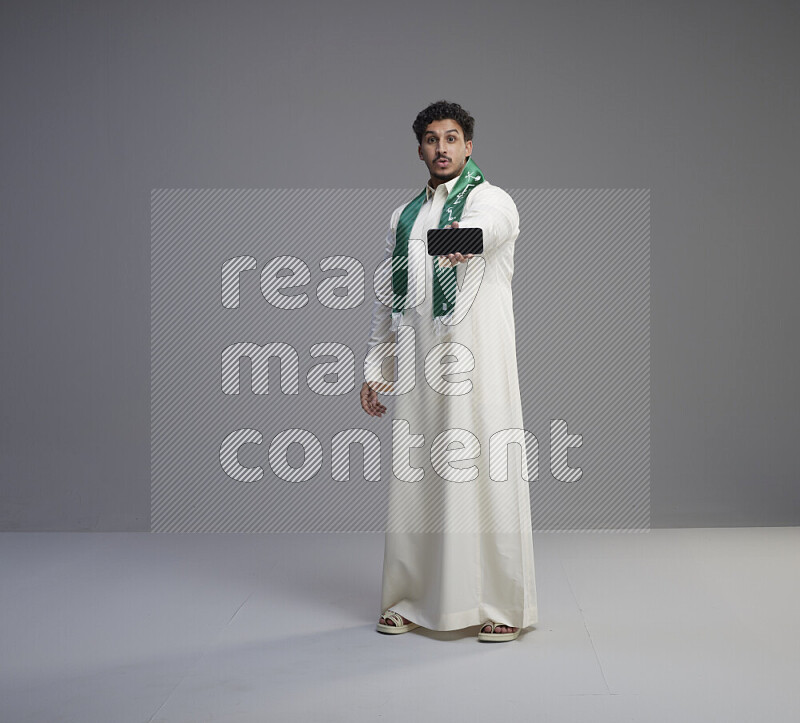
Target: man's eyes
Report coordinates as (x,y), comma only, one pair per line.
(432,139)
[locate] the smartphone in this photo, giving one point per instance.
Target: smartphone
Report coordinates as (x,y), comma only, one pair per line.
(443,241)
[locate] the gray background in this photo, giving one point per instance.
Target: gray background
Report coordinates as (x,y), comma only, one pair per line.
(103,102)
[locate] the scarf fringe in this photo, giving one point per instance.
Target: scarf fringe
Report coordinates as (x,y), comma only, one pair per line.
(397,320)
(441,324)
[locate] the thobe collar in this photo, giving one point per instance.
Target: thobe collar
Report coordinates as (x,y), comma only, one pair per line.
(429,191)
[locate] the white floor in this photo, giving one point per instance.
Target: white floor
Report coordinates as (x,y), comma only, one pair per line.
(670,625)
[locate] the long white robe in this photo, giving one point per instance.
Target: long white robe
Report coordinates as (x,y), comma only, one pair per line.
(459,544)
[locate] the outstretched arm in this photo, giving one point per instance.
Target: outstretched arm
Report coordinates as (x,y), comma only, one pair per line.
(491,209)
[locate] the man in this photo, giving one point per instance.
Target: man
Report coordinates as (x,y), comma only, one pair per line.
(459,546)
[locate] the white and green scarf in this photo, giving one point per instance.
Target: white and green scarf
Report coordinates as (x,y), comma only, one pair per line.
(444,279)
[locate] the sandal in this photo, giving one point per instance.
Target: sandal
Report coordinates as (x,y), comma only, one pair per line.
(493,637)
(398,627)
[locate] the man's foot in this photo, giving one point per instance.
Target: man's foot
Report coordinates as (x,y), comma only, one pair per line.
(498,629)
(492,632)
(393,623)
(389,621)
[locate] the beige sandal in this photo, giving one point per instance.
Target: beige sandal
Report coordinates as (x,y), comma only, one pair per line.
(493,637)
(398,627)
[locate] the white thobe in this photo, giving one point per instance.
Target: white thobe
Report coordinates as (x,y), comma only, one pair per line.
(459,544)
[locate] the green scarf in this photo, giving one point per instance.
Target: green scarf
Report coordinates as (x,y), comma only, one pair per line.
(444,279)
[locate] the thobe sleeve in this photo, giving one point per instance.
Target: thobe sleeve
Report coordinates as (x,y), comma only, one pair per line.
(490,208)
(381,314)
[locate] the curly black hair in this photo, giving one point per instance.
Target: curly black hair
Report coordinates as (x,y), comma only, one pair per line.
(442,110)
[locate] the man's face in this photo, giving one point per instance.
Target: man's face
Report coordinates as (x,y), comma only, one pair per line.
(444,150)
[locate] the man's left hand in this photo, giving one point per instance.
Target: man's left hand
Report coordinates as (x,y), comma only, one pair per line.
(454,258)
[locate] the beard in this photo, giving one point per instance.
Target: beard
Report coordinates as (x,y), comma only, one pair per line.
(448,172)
